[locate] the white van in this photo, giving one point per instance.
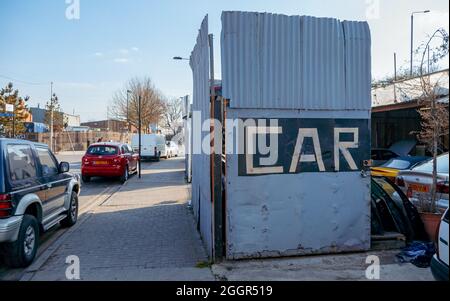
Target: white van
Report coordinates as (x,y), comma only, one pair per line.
(153,146)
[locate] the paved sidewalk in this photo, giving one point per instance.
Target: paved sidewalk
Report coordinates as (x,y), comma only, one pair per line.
(143,232)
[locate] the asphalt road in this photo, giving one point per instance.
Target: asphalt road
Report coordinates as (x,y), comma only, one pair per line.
(97,190)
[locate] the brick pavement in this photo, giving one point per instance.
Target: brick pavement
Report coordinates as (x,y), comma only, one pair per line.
(145,231)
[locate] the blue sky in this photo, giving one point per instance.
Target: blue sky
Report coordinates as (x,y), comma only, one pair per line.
(114,40)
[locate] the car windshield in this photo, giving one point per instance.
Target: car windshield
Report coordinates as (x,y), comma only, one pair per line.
(102,150)
(442,165)
(397,164)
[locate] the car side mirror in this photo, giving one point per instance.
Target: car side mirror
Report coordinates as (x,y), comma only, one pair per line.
(64,167)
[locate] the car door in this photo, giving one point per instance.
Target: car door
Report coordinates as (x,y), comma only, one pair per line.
(127,156)
(134,156)
(55,181)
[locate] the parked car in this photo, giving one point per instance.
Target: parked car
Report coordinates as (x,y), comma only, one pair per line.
(109,159)
(391,168)
(171,149)
(439,262)
(36,193)
(416,183)
(399,149)
(153,146)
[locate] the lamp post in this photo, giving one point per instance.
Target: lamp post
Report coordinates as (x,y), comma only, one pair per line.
(139,126)
(412,38)
(53,98)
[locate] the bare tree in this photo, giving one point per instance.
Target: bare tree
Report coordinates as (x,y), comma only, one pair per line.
(125,105)
(434,115)
(173,114)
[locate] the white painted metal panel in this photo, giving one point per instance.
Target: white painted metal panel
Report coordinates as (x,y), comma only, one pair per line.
(296,67)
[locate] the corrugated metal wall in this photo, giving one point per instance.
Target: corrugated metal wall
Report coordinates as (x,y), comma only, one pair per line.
(201,193)
(295,62)
(276,66)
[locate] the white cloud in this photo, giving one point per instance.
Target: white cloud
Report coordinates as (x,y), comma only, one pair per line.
(135,49)
(98,54)
(121,60)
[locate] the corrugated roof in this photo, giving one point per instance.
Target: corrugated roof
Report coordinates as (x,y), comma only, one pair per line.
(295,62)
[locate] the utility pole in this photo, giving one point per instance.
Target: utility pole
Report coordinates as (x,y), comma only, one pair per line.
(395,76)
(139,126)
(51,116)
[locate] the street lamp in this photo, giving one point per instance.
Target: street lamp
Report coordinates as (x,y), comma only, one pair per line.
(412,36)
(179,58)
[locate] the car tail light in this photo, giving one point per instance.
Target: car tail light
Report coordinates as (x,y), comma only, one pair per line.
(400,181)
(442,187)
(86,161)
(5,205)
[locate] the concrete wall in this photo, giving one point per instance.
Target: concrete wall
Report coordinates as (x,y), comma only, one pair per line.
(78,141)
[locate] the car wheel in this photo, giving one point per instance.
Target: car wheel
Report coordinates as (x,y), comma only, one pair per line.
(21,253)
(72,213)
(86,179)
(125,175)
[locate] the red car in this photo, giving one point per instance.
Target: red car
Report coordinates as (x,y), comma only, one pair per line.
(109,159)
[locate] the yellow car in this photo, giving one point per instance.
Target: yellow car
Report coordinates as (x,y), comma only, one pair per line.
(391,168)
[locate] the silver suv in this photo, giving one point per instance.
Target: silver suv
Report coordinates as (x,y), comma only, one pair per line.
(36,193)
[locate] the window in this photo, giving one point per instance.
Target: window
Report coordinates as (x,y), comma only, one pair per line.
(102,150)
(49,166)
(125,149)
(22,165)
(442,165)
(397,164)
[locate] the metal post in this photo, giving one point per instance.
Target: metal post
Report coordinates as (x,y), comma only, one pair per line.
(211,63)
(428,59)
(51,116)
(395,66)
(412,45)
(139,122)
(395,76)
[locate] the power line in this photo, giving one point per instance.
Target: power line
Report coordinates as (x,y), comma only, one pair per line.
(24,82)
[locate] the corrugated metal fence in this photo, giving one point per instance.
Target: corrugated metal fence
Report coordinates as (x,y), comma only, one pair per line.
(201,192)
(274,61)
